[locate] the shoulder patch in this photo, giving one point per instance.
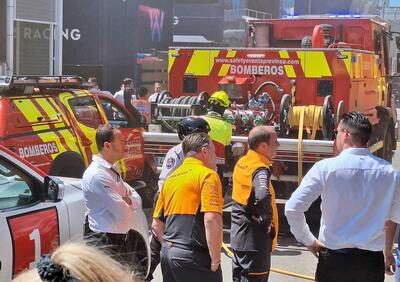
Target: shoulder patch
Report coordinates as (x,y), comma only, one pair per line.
(170,163)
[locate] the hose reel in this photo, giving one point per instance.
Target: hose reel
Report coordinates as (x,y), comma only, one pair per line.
(315,118)
(169,111)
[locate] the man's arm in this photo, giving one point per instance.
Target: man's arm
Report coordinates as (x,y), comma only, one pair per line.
(102,187)
(211,205)
(213,228)
(158,224)
(300,201)
(262,194)
(158,228)
(390,261)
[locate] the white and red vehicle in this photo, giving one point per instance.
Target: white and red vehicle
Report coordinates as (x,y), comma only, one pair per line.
(40,212)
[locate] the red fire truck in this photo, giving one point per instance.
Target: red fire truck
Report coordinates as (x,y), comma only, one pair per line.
(298,75)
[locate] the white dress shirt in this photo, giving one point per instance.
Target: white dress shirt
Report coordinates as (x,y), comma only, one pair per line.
(103,191)
(173,159)
(358,193)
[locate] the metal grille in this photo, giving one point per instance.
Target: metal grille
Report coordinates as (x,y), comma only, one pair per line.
(32,48)
(38,10)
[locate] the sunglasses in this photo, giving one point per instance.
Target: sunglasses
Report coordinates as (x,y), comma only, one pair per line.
(335,131)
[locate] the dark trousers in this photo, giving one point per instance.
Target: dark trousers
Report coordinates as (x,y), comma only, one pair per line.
(251,266)
(181,264)
(116,245)
(350,265)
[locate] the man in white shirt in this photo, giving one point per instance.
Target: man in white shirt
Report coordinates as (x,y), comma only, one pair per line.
(154,98)
(110,202)
(357,191)
(119,95)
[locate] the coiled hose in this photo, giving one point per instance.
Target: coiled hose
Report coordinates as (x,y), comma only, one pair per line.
(170,125)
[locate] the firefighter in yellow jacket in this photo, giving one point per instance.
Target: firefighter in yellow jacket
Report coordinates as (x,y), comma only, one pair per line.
(221,131)
(254,215)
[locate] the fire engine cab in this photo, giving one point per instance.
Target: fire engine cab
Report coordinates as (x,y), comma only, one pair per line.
(310,69)
(51,122)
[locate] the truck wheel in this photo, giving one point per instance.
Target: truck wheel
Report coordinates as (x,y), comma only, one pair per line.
(68,164)
(136,246)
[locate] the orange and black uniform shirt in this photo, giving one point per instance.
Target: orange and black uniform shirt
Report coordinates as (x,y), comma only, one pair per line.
(253,195)
(187,194)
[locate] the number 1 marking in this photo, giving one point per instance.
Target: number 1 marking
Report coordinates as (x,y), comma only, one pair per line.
(35,236)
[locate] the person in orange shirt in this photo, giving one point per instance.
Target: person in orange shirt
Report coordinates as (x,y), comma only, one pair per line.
(187,218)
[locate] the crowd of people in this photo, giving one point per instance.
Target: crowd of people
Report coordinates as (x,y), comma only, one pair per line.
(360,205)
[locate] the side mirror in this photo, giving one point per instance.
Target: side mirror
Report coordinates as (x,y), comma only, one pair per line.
(54,189)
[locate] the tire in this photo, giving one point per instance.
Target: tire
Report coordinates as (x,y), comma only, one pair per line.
(136,246)
(68,164)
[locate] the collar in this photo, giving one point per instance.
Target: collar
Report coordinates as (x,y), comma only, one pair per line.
(193,161)
(214,114)
(355,151)
(102,162)
(253,155)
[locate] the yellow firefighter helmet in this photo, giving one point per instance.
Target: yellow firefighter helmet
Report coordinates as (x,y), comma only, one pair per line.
(219,98)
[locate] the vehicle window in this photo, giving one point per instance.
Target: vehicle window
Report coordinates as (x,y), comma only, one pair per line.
(15,187)
(115,114)
(85,111)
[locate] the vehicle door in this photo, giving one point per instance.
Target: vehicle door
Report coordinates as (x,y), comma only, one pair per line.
(38,130)
(131,166)
(30,227)
(86,118)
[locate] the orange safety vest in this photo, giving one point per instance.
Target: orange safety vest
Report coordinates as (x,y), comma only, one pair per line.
(242,184)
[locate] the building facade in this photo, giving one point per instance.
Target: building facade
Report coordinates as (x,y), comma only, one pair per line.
(30,37)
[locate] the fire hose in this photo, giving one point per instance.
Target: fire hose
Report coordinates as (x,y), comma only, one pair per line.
(170,110)
(229,253)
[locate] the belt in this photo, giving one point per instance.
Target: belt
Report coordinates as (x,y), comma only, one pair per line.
(354,251)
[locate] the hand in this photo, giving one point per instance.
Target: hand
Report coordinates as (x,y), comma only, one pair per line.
(315,248)
(390,263)
(127,200)
(278,168)
(215,266)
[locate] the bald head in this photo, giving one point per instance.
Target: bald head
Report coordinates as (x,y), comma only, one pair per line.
(260,134)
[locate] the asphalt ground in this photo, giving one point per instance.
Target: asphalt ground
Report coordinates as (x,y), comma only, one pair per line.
(290,255)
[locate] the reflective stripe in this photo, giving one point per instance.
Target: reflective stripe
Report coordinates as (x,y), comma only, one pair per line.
(52,137)
(171,59)
(289,69)
(314,64)
(231,54)
(284,54)
(257,273)
(202,62)
(224,70)
(347,61)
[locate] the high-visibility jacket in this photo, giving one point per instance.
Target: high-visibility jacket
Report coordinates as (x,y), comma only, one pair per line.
(220,134)
(244,202)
